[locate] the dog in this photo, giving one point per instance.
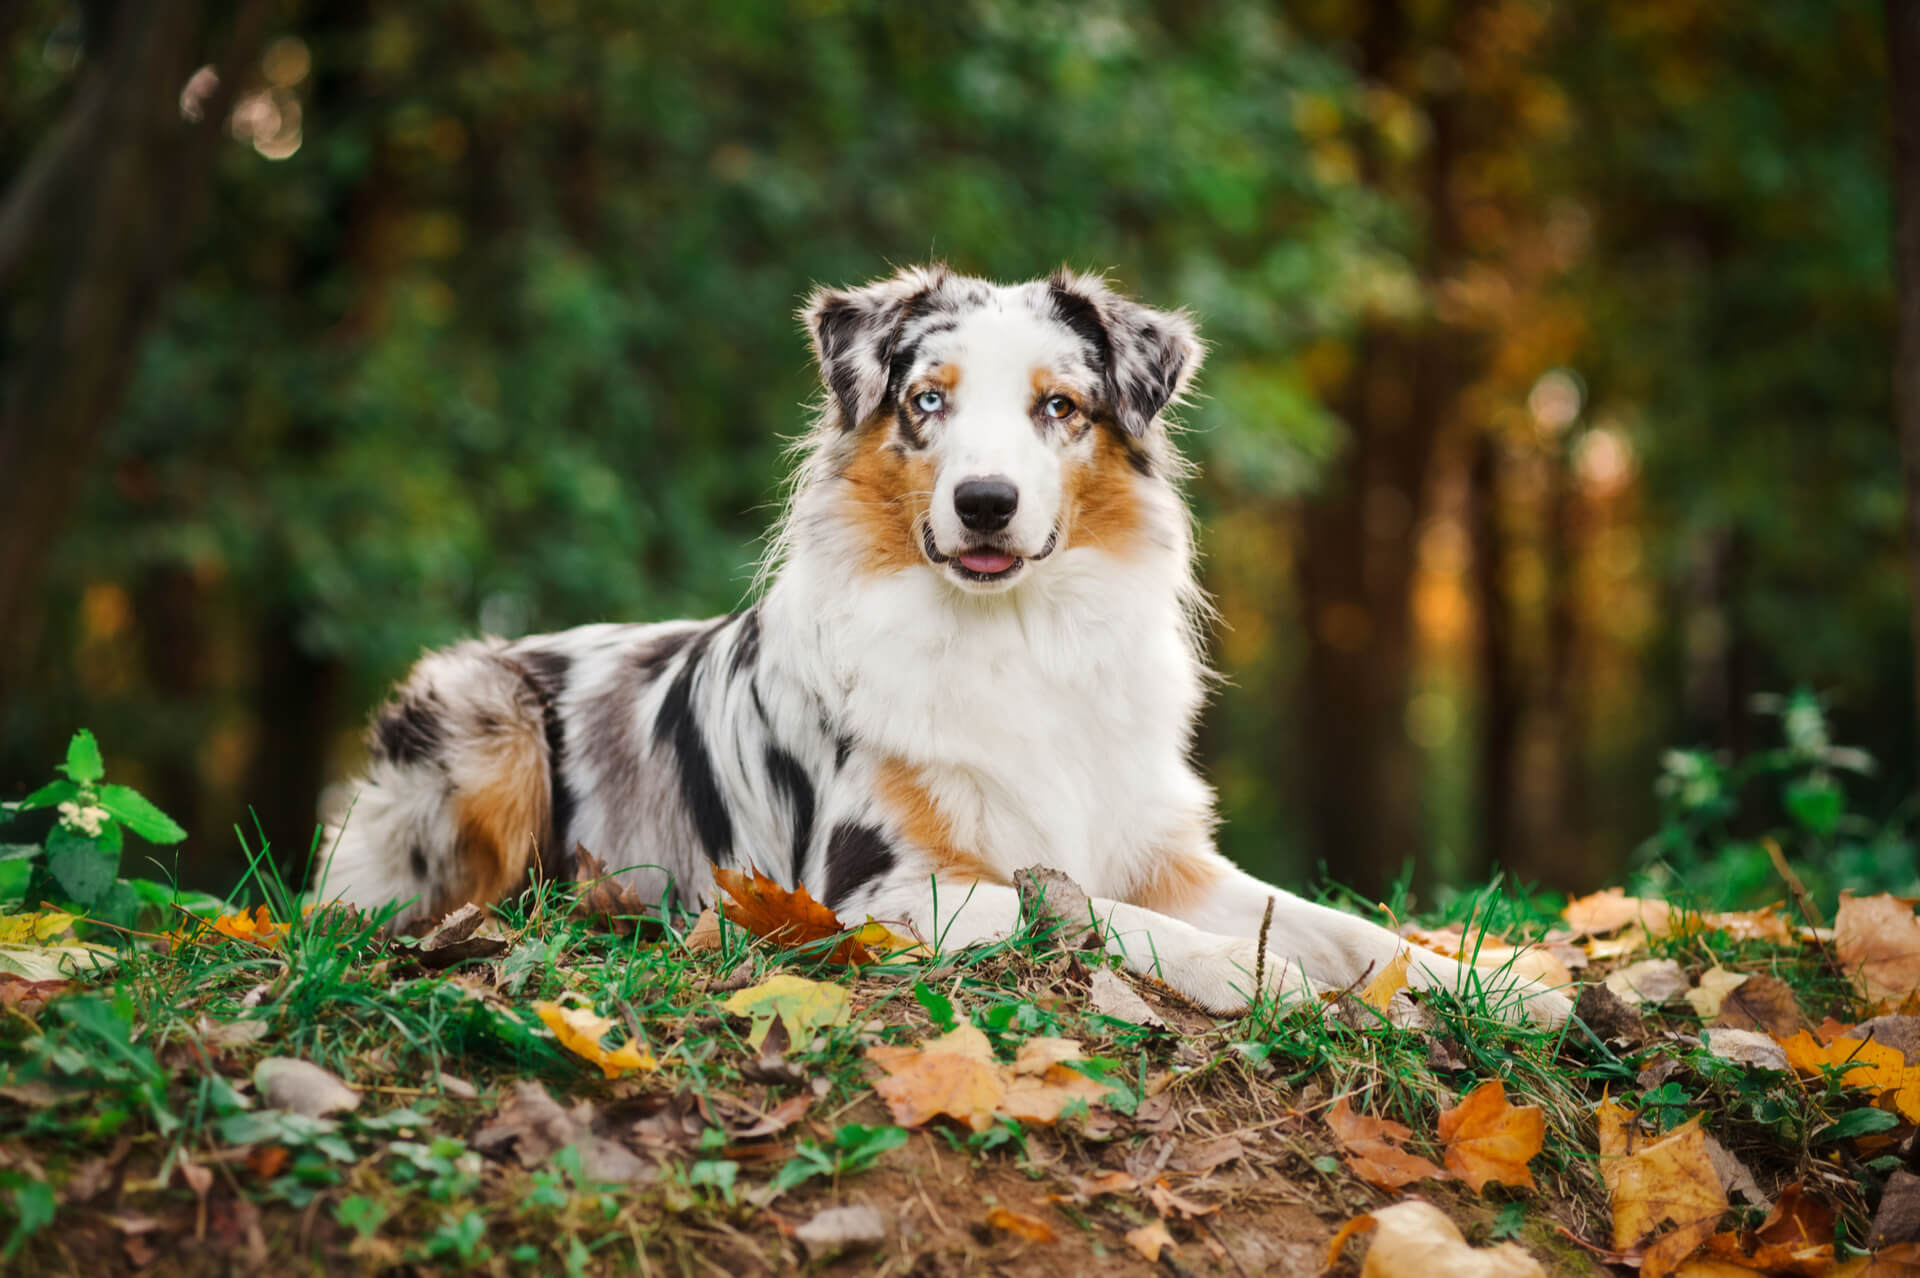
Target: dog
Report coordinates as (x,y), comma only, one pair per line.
(976,648)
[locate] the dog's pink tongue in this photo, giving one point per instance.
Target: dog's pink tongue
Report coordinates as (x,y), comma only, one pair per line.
(986,562)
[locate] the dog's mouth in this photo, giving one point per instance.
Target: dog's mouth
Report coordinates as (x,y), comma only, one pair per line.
(982,563)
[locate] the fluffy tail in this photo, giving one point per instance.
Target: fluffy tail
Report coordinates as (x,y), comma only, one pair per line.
(457,800)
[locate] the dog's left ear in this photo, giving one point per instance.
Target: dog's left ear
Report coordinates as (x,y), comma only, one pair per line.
(1146,357)
(856,332)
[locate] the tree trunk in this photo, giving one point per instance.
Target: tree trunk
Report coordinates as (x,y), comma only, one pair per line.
(91,233)
(1501,693)
(1903,58)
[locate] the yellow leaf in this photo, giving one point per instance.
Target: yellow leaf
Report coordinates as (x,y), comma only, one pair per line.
(1021,1225)
(1669,1179)
(1715,984)
(1881,1069)
(581,1032)
(800,1005)
(1149,1240)
(882,939)
(33,929)
(956,1075)
(1391,980)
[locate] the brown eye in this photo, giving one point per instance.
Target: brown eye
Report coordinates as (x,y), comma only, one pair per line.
(1058,407)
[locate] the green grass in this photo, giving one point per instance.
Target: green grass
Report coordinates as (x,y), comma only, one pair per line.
(145,1067)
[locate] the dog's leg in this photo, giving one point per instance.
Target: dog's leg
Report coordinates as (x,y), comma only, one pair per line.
(1331,946)
(1216,972)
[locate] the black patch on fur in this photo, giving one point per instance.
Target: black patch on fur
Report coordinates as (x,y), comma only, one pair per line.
(908,431)
(699,790)
(856,855)
(1079,313)
(408,731)
(791,780)
(842,748)
(839,327)
(1137,458)
(746,646)
(417,860)
(546,673)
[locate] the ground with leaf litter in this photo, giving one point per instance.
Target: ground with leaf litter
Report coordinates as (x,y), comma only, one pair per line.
(570,1084)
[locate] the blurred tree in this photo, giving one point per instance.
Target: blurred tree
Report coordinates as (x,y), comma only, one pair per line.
(1903,56)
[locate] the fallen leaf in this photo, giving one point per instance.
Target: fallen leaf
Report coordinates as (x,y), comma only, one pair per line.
(1735,1176)
(1899,1032)
(955,1075)
(1021,1225)
(705,933)
(35,927)
(1898,1219)
(1373,1148)
(1051,901)
(1612,909)
(1109,995)
(842,1228)
(1669,1179)
(30,998)
(1745,1047)
(41,964)
(1207,1155)
(1168,1203)
(1861,1063)
(1649,981)
(582,1032)
(881,939)
(1150,1239)
(1761,1002)
(1482,949)
(1610,1016)
(1605,949)
(1877,940)
(1390,981)
(257,928)
(1715,984)
(452,941)
(800,1005)
(607,898)
(1414,1239)
(790,919)
(1488,1139)
(301,1087)
(535,1127)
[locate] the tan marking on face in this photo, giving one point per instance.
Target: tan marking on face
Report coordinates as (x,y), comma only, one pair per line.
(1175,883)
(501,822)
(886,494)
(917,820)
(944,377)
(1103,506)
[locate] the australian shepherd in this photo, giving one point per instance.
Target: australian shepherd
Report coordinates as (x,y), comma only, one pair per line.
(977,649)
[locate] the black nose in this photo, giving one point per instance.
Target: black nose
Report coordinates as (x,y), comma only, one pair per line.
(985,505)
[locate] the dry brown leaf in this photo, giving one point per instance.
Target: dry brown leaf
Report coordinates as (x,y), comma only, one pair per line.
(1413,1239)
(1898,1218)
(1611,910)
(1669,1179)
(534,1126)
(1373,1148)
(954,1074)
(301,1087)
(1744,1047)
(1761,1002)
(789,919)
(1021,1225)
(1542,963)
(1488,1139)
(840,1228)
(606,898)
(1110,995)
(705,933)
(1649,981)
(1168,1203)
(1877,940)
(1148,1240)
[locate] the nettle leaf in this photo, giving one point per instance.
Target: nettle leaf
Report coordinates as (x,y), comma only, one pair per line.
(1816,802)
(85,868)
(1858,1122)
(137,812)
(83,758)
(50,795)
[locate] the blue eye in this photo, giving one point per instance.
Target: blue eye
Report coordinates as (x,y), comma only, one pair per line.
(930,401)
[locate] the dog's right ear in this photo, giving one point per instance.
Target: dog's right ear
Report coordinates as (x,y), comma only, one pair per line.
(856,332)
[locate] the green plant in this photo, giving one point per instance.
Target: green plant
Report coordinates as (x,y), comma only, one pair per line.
(78,861)
(1723,819)
(855,1147)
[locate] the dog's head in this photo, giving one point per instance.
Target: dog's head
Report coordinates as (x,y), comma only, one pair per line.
(979,429)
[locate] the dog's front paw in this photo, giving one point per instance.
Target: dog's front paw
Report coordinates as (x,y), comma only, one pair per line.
(1222,976)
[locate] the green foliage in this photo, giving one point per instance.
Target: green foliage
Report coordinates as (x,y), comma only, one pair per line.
(78,861)
(1719,814)
(855,1147)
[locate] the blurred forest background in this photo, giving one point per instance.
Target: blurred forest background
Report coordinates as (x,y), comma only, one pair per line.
(1548,421)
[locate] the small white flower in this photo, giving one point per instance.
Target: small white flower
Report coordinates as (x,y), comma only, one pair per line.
(87,820)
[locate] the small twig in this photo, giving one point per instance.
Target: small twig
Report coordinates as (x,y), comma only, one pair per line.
(148,936)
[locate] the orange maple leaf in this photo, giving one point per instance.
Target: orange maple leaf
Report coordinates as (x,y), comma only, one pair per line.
(257,928)
(1860,1062)
(1488,1139)
(1373,1148)
(958,1076)
(788,918)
